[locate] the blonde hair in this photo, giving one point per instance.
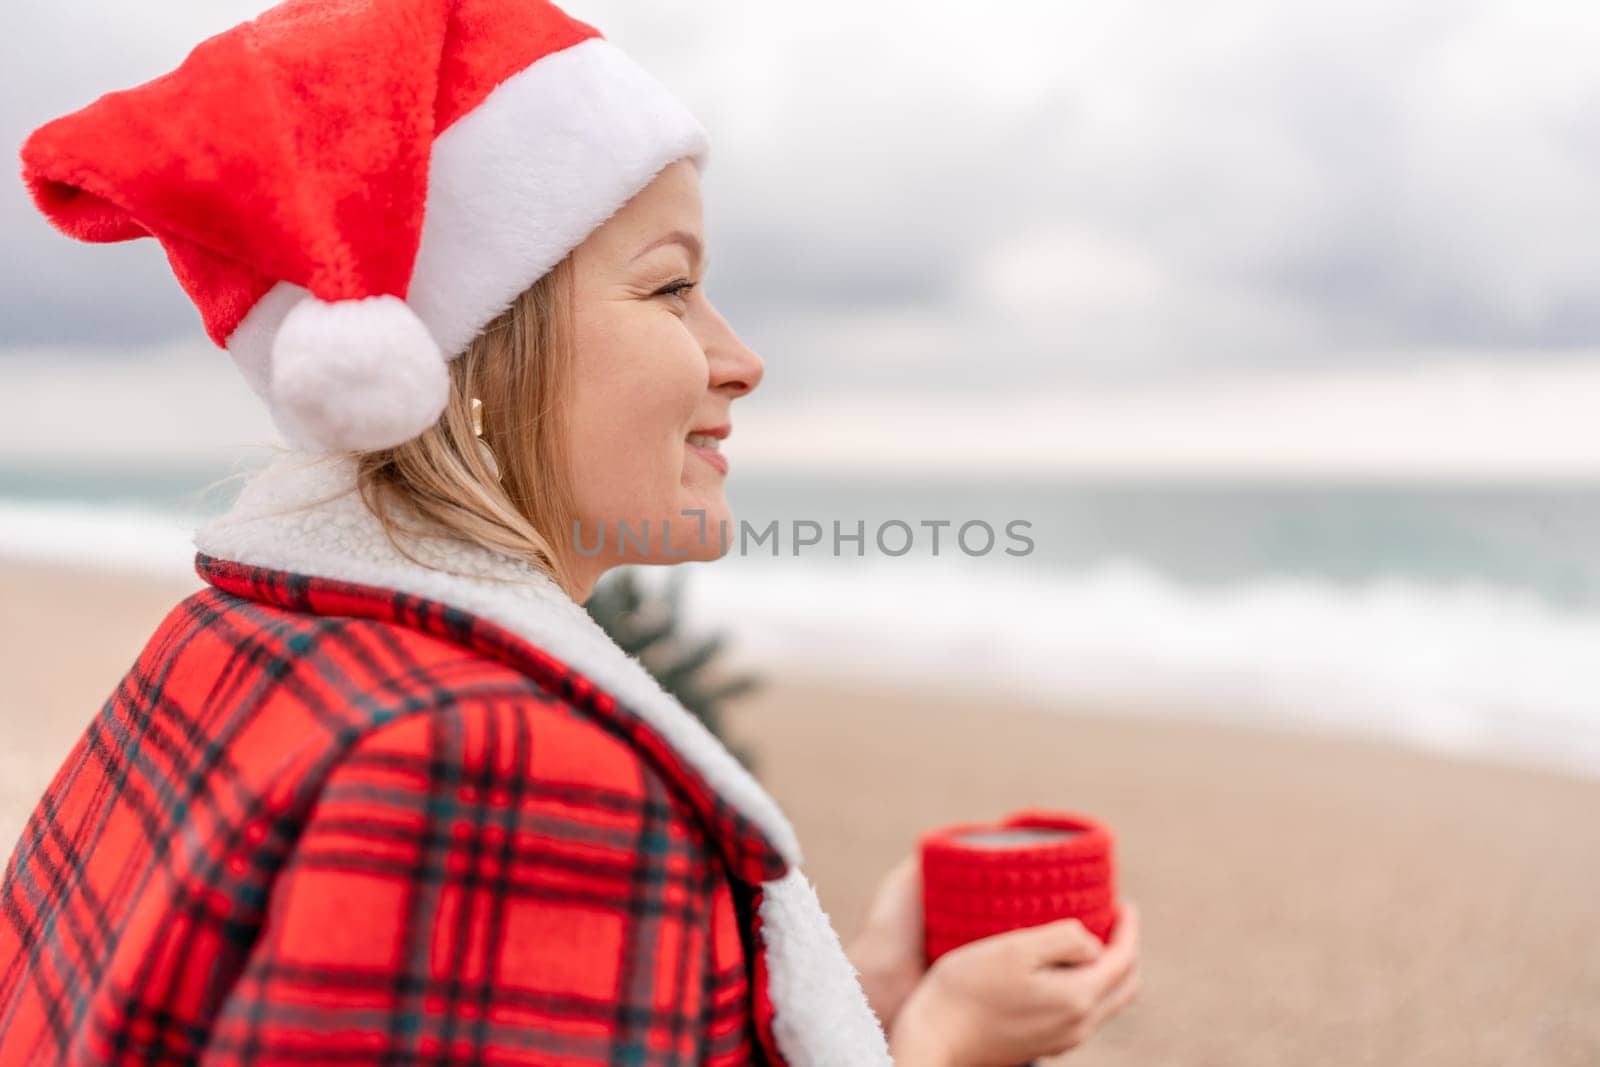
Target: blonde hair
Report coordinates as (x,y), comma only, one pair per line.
(519,366)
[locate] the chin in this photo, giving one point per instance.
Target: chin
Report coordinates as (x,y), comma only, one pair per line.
(693,542)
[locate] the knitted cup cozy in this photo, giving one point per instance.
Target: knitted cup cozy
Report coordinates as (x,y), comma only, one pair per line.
(971,891)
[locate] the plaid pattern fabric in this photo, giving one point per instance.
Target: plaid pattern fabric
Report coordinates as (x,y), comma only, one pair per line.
(322,823)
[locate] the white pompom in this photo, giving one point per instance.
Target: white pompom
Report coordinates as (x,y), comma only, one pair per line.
(356,374)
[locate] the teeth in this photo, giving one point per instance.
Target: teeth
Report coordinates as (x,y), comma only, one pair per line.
(704,441)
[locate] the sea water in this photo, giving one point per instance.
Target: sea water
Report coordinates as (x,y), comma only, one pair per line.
(1463,619)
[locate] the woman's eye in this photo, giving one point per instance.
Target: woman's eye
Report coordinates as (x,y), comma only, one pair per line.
(677,288)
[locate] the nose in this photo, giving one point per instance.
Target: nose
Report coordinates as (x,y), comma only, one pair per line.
(735,367)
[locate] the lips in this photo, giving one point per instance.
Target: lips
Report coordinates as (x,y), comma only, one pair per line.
(704,440)
(707,444)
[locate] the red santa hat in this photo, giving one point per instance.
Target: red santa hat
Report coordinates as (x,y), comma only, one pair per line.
(351,191)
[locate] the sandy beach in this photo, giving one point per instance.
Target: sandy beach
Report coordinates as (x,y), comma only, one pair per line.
(1307,900)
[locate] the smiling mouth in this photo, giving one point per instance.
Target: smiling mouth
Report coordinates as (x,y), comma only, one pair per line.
(705,440)
(708,446)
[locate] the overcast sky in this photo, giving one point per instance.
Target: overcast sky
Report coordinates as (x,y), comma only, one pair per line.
(909,193)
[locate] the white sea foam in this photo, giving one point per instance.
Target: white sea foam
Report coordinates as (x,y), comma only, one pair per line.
(1468,669)
(114,537)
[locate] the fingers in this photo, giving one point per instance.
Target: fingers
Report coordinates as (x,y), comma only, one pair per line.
(900,888)
(1093,993)
(1117,965)
(1123,948)
(1116,998)
(905,879)
(902,871)
(1124,943)
(1110,966)
(1087,1022)
(905,868)
(1064,942)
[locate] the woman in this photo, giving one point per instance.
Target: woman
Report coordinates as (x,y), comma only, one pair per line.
(381,792)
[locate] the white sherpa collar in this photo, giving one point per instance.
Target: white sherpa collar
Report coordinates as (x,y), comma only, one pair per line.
(269,526)
(302,514)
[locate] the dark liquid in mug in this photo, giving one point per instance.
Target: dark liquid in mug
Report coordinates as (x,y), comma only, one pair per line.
(1013,838)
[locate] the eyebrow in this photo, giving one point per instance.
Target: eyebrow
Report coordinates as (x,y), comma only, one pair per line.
(683,237)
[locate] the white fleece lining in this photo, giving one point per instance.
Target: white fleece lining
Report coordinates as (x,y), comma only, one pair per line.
(302,514)
(513,186)
(820,1013)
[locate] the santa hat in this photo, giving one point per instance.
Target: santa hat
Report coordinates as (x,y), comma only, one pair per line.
(350,192)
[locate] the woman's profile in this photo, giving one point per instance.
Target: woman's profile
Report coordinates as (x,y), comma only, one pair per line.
(381,791)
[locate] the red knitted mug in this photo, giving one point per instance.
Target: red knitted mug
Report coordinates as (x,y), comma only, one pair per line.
(1032,867)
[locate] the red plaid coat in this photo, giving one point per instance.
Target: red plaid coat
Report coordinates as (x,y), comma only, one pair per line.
(318,823)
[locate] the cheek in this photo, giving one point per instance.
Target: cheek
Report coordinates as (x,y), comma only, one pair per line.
(635,394)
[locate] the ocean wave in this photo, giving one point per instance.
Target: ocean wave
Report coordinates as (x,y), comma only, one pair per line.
(1467,669)
(122,538)
(1464,668)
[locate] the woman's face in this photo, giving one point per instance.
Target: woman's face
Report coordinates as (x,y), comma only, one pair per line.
(655,367)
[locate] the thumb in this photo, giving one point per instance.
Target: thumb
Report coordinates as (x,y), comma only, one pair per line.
(1064,942)
(898,896)
(907,871)
(903,880)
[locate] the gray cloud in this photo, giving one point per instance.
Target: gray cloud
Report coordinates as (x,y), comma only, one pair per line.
(899,191)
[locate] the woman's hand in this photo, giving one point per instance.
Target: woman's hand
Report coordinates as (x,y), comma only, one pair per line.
(1008,999)
(888,952)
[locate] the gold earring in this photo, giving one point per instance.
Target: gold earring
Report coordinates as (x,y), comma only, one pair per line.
(484,451)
